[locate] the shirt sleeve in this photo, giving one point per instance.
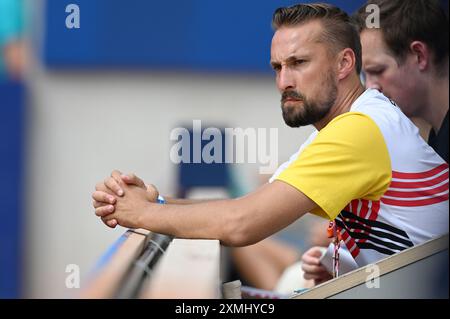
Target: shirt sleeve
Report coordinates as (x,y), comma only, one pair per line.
(293,157)
(347,160)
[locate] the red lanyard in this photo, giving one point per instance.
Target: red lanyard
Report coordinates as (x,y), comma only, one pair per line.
(333,233)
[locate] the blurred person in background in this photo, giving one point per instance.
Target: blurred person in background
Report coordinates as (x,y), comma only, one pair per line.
(12,44)
(274,264)
(407,59)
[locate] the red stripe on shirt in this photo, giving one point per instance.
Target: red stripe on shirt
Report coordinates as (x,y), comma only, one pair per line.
(364,208)
(420,175)
(375,208)
(351,244)
(415,203)
(355,203)
(421,193)
(355,252)
(431,182)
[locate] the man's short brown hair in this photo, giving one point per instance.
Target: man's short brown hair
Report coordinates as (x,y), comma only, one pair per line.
(405,21)
(338,29)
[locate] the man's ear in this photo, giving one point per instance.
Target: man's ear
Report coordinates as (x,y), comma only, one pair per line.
(346,63)
(421,53)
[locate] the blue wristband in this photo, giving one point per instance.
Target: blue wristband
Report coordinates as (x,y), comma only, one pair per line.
(161,200)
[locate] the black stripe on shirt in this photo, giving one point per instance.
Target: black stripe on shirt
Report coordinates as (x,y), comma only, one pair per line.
(377,248)
(374,223)
(386,244)
(380,234)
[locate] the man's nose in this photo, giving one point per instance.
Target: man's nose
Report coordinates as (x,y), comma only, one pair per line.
(371,83)
(285,80)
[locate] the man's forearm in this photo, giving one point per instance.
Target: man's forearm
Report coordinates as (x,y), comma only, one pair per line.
(235,222)
(186,201)
(195,220)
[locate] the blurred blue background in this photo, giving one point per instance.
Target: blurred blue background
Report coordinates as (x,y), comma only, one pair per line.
(189,34)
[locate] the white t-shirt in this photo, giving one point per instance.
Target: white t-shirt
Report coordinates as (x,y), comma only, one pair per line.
(415,206)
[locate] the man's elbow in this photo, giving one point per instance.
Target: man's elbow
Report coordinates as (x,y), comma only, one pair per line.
(238,231)
(235,239)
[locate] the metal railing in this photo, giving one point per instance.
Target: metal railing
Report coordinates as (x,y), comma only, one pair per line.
(142,264)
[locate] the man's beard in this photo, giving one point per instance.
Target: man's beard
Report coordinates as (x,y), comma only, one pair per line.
(311,111)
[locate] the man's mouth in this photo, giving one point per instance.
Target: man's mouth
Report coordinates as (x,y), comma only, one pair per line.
(291,99)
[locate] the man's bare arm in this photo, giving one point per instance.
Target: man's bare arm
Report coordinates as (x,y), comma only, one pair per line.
(235,222)
(186,201)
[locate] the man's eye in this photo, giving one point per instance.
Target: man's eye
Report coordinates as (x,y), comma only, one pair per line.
(276,68)
(300,61)
(375,72)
